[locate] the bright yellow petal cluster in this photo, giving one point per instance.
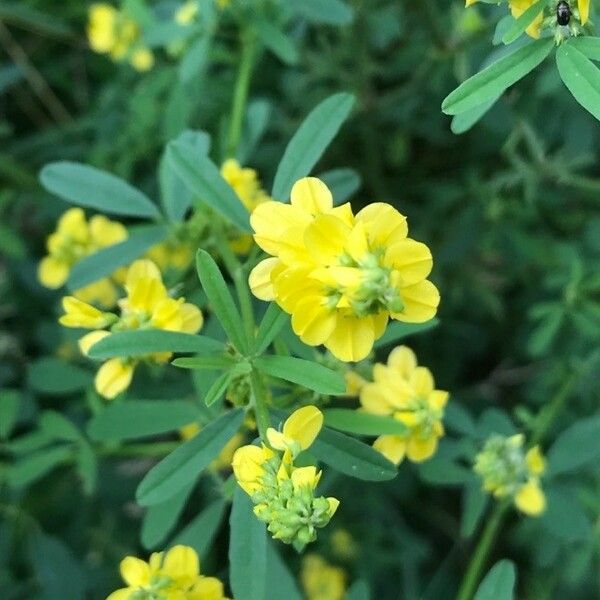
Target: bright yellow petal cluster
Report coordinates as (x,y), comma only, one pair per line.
(322,581)
(246,184)
(171,575)
(509,472)
(74,239)
(340,276)
(112,32)
(406,391)
(283,494)
(146,306)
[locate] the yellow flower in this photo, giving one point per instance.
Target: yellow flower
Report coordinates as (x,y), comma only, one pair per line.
(146,306)
(186,13)
(248,467)
(142,59)
(101,27)
(74,239)
(246,184)
(322,581)
(173,575)
(340,276)
(407,392)
(584,10)
(299,430)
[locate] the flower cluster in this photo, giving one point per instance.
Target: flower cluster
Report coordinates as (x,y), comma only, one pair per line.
(115,33)
(518,7)
(74,239)
(406,391)
(510,472)
(174,575)
(146,306)
(246,184)
(341,276)
(322,581)
(283,494)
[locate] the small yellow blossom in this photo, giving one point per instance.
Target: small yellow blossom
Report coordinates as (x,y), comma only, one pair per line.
(340,276)
(299,430)
(186,13)
(113,32)
(406,391)
(246,184)
(171,575)
(74,239)
(509,472)
(322,581)
(147,305)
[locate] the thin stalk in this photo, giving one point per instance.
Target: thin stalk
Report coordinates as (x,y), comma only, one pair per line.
(240,94)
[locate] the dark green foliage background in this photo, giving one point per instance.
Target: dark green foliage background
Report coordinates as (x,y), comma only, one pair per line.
(509,209)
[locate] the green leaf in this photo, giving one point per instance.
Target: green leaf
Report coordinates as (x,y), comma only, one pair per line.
(493,80)
(397,331)
(462,122)
(328,12)
(147,341)
(106,261)
(59,427)
(195,60)
(457,418)
(439,471)
(587,45)
(53,376)
(218,388)
(494,420)
(202,529)
(87,466)
(564,516)
(210,362)
(310,141)
(272,323)
(362,423)
(35,466)
(175,196)
(185,464)
(581,77)
(247,550)
(576,447)
(10,401)
(140,418)
(519,26)
(499,583)
(306,373)
(359,591)
(276,41)
(90,187)
(351,457)
(282,583)
(160,519)
(204,181)
(342,183)
(220,300)
(474,504)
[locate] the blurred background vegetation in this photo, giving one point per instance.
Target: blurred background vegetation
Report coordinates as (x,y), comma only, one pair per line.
(509,209)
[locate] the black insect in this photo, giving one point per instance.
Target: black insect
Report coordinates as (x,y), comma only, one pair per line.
(563,13)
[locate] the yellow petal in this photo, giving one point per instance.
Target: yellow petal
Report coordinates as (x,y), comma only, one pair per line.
(113,377)
(135,572)
(403,361)
(105,232)
(272,220)
(166,314)
(411,259)
(535,461)
(72,223)
(276,439)
(325,239)
(142,59)
(312,321)
(101,292)
(418,449)
(80,314)
(357,244)
(438,399)
(206,588)
(247,467)
(142,269)
(122,594)
(352,339)
(145,294)
(420,302)
(584,10)
(192,318)
(530,499)
(374,401)
(305,477)
(422,381)
(182,564)
(53,272)
(383,223)
(88,340)
(311,195)
(393,447)
(333,505)
(260,279)
(303,426)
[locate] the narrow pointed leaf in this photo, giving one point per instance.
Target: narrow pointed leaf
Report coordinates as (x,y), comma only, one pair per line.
(270,326)
(520,24)
(499,583)
(362,423)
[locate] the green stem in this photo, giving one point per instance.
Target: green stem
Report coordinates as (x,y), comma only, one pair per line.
(260,399)
(240,94)
(486,541)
